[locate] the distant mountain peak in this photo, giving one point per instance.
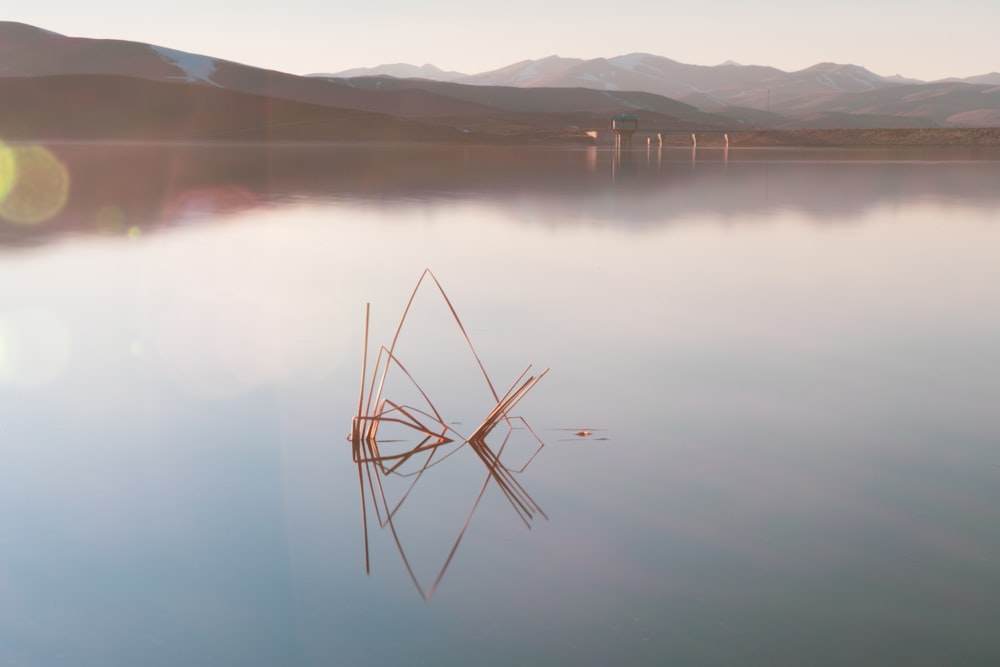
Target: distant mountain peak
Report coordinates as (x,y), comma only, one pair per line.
(991,79)
(638,58)
(856,70)
(398,71)
(846,77)
(635,55)
(837,67)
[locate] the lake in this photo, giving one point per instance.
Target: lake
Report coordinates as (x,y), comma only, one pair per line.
(769,425)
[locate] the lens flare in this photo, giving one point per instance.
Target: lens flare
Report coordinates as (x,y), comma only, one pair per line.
(39,189)
(110,220)
(8,170)
(195,204)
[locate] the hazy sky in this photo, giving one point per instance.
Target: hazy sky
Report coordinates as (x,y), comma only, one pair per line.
(917,39)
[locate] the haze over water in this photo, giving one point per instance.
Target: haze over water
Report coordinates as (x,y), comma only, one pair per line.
(787,360)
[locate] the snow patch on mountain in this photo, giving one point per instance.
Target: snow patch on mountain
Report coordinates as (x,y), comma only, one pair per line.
(535,70)
(826,81)
(527,73)
(846,77)
(631,61)
(195,67)
(589,79)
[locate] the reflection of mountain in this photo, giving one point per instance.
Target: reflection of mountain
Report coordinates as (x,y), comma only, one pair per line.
(115,187)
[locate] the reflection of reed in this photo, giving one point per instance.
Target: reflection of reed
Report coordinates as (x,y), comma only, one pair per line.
(435,441)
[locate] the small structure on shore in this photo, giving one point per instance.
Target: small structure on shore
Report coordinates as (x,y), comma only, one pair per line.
(624,125)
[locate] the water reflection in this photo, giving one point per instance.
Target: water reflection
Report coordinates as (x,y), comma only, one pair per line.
(424,440)
(124,189)
(802,466)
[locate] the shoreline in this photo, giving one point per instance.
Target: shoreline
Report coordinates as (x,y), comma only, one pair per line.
(439,135)
(938,136)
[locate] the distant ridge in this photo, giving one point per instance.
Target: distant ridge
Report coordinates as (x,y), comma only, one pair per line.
(823,95)
(398,71)
(551,95)
(991,79)
(37,70)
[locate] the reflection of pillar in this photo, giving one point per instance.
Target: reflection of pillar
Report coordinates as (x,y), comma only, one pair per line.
(624,166)
(623,139)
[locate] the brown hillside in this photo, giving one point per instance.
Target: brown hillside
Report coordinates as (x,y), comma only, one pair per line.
(116,107)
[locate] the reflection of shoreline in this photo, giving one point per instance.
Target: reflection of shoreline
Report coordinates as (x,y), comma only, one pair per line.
(122,186)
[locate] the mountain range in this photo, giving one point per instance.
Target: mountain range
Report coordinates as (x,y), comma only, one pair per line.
(824,95)
(67,87)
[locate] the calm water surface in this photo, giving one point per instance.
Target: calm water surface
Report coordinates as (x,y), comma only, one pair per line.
(789,362)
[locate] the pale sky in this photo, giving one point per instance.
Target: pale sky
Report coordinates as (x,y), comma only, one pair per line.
(917,39)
